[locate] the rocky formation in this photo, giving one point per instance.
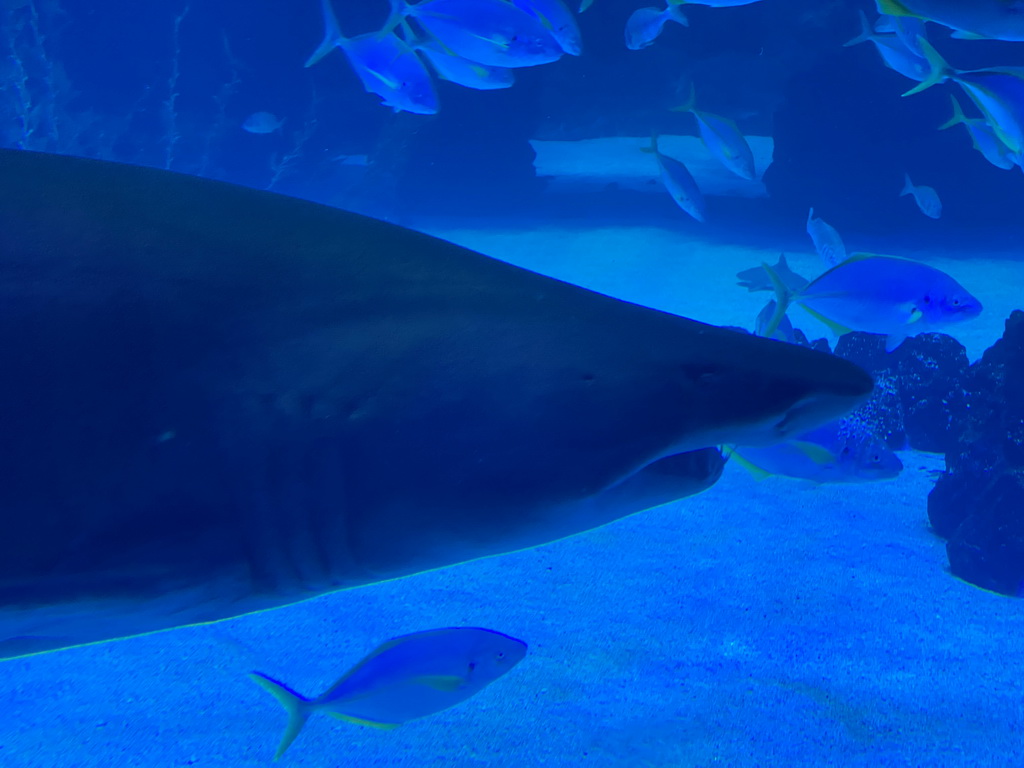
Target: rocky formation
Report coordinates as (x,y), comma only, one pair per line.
(917,401)
(978,503)
(929,398)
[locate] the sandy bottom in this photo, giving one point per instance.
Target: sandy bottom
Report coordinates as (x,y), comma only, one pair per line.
(758,624)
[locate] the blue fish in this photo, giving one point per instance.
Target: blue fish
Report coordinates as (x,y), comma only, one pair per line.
(756,278)
(385,64)
(894,51)
(992,19)
(927,198)
(908,29)
(983,137)
(998,92)
(456,69)
(840,452)
(827,242)
(679,182)
(722,139)
(558,20)
(490,32)
(645,24)
(879,294)
(405,678)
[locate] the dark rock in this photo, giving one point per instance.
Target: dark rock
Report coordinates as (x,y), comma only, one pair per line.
(987,549)
(917,397)
(978,503)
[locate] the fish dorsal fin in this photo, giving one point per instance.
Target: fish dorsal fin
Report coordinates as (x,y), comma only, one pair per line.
(757,472)
(816,453)
(361,721)
(447,683)
(854,257)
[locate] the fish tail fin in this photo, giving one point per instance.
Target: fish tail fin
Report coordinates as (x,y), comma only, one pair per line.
(396,16)
(332,34)
(674,12)
(730,452)
(938,70)
(958,115)
(908,185)
(295,705)
(866,33)
(783,298)
(691,101)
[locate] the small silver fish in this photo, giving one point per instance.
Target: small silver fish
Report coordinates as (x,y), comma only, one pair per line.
(558,20)
(839,452)
(455,69)
(262,122)
(679,182)
(722,138)
(384,63)
(645,24)
(827,242)
(405,678)
(895,53)
(491,32)
(927,198)
(983,136)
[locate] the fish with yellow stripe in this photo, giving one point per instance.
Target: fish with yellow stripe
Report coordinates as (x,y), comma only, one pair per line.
(873,293)
(840,452)
(407,677)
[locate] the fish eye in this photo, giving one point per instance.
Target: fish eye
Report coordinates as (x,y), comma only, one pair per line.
(956,301)
(846,450)
(876,458)
(927,299)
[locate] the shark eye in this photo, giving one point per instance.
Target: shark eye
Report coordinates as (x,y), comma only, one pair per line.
(956,301)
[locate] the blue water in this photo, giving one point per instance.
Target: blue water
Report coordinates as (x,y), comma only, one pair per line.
(756,624)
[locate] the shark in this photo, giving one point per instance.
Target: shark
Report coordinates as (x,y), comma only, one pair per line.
(216,400)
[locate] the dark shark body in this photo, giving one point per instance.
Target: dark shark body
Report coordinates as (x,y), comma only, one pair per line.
(215,400)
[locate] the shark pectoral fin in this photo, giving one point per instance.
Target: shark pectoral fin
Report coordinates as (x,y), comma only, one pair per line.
(441,682)
(361,721)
